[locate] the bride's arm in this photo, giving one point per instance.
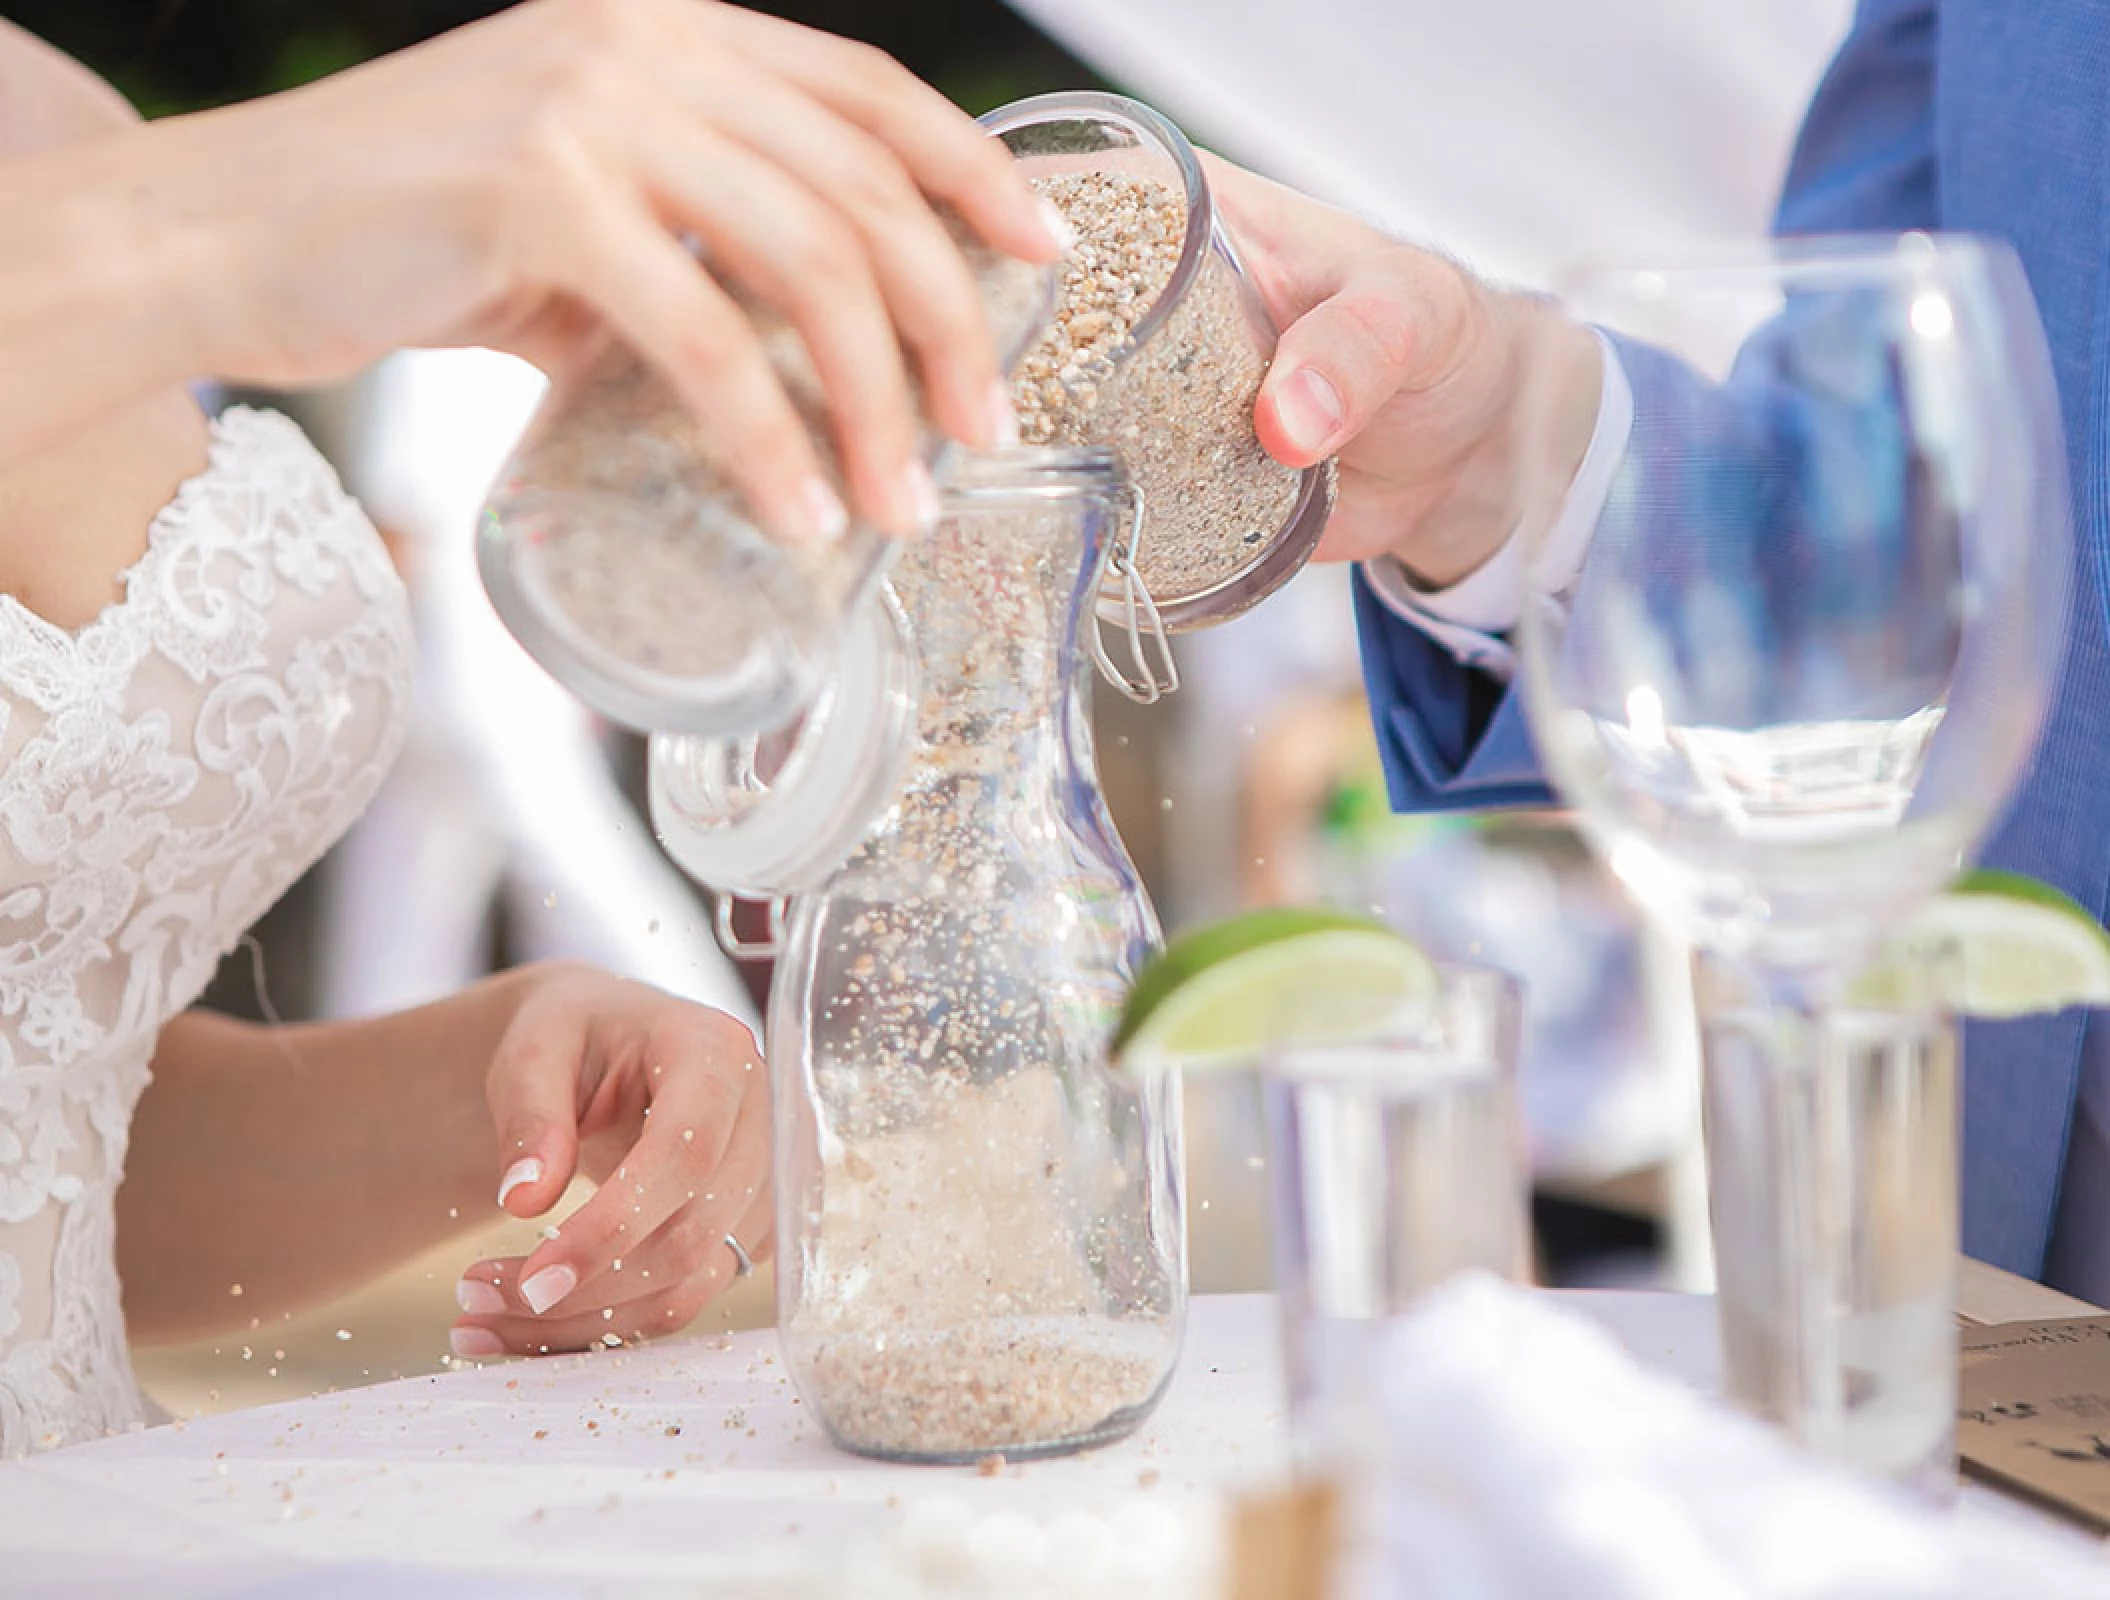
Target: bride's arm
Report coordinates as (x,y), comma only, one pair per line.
(295,1162)
(299,1161)
(522,183)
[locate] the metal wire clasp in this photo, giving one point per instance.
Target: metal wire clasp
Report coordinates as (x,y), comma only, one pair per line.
(766,948)
(1156,674)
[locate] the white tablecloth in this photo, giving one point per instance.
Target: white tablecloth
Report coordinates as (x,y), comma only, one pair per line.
(686,1467)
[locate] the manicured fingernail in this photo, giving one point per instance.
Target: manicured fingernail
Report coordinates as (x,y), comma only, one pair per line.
(1060,233)
(547,1287)
(826,518)
(1310,409)
(475,1342)
(478,1298)
(919,496)
(1003,416)
(528,1169)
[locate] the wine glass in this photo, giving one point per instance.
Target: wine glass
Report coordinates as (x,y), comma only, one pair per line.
(1797,674)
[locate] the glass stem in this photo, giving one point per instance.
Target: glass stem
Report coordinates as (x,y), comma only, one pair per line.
(1816,1186)
(1780,1160)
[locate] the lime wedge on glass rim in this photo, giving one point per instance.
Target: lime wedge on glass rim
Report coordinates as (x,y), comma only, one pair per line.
(2022,947)
(1290,975)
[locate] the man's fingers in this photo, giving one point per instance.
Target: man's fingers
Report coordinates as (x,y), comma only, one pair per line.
(1335,368)
(1391,329)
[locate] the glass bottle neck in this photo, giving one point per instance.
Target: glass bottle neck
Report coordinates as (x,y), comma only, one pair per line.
(994,597)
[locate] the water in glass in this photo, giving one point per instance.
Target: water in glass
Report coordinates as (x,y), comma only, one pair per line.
(1396,1164)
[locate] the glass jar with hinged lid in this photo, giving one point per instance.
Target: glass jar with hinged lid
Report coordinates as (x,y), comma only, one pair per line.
(617,550)
(768,816)
(1157,350)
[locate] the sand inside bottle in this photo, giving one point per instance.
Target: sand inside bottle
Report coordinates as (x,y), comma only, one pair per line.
(966,1288)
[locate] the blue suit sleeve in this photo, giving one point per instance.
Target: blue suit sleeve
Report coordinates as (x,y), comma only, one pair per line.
(1453,738)
(1865,158)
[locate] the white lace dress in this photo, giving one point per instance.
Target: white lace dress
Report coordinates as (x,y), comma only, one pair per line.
(166,773)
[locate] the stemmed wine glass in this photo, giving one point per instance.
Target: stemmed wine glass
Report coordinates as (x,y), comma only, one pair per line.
(1791,685)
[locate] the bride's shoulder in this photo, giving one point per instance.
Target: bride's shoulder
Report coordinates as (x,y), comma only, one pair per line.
(76,517)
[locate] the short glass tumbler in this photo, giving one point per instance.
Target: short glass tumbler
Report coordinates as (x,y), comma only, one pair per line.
(1397,1163)
(1832,1154)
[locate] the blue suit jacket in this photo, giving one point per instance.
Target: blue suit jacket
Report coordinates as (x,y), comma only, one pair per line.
(1990,116)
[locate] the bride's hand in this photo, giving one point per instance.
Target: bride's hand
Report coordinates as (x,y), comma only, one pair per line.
(666,1104)
(525,181)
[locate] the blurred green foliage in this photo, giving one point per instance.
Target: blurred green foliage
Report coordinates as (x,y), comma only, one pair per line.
(177,55)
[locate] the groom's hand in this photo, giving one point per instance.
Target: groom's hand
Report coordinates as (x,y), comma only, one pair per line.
(1410,371)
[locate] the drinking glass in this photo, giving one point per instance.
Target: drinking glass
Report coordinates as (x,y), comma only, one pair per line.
(1396,1162)
(1832,1146)
(1801,666)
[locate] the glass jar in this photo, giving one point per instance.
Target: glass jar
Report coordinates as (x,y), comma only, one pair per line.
(1157,350)
(620,555)
(981,1248)
(769,815)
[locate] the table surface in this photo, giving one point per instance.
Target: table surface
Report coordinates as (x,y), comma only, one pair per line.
(657,1469)
(1986,1295)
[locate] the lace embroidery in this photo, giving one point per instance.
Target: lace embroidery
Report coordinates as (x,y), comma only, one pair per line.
(166,772)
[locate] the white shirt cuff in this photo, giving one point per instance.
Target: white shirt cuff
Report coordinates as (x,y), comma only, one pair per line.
(1471,617)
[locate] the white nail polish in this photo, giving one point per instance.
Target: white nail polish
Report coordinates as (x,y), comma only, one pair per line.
(477,1298)
(921,495)
(547,1287)
(475,1342)
(826,518)
(528,1169)
(1003,417)
(1058,225)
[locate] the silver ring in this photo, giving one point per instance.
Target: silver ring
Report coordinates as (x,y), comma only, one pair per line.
(743,1263)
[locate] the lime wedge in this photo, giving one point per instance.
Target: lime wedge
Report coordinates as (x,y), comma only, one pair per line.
(1285,976)
(2023,946)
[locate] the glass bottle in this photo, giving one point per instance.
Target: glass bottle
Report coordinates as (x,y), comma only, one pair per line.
(981,1247)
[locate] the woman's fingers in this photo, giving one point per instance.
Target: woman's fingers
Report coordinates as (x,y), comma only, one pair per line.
(705,1146)
(768,232)
(531,1092)
(657,1290)
(492,185)
(665,306)
(945,151)
(929,290)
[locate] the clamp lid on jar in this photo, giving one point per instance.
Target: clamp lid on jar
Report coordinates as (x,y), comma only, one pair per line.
(771,814)
(618,552)
(1157,350)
